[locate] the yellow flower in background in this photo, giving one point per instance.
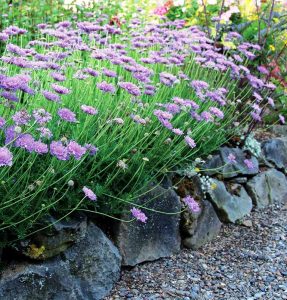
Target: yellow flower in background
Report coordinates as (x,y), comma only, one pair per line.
(248,9)
(272,48)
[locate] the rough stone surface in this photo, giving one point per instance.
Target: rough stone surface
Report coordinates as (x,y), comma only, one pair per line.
(87,270)
(198,229)
(279,130)
(56,239)
(275,151)
(267,188)
(228,170)
(158,237)
(230,207)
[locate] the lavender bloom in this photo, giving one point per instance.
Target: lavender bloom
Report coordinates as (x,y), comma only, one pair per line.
(205,115)
(10,96)
(91,72)
(216,112)
(263,70)
(45,132)
(256,116)
(282,119)
(91,148)
(89,109)
(130,88)
(2,122)
(167,79)
(58,150)
(89,194)
(271,101)
(41,116)
(60,89)
(139,215)
(40,148)
(58,76)
(109,73)
(25,141)
(199,85)
(76,150)
(51,96)
(106,87)
(21,117)
(10,134)
(67,115)
(231,158)
(191,203)
(189,141)
(177,131)
(6,157)
(249,164)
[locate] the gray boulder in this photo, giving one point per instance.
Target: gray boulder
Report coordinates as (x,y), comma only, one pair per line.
(222,165)
(267,188)
(55,239)
(87,270)
(158,237)
(275,151)
(279,130)
(199,229)
(230,206)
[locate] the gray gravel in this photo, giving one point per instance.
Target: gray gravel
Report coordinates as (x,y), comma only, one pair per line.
(243,263)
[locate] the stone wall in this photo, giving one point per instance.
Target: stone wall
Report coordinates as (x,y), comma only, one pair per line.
(76,259)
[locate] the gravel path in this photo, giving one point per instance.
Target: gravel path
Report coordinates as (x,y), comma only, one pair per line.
(242,263)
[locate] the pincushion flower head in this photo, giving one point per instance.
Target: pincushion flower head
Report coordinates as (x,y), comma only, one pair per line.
(21,117)
(89,109)
(51,96)
(58,150)
(60,89)
(67,115)
(189,141)
(76,150)
(139,215)
(89,194)
(191,204)
(6,157)
(41,116)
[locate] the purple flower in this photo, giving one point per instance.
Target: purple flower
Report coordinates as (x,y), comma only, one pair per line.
(130,88)
(6,157)
(58,76)
(177,131)
(262,70)
(249,164)
(58,150)
(2,122)
(60,89)
(106,87)
(51,96)
(89,194)
(216,112)
(167,78)
(89,109)
(67,115)
(76,150)
(192,204)
(41,116)
(189,141)
(109,73)
(282,119)
(231,158)
(139,215)
(91,148)
(270,101)
(91,72)
(45,132)
(40,147)
(25,141)
(21,117)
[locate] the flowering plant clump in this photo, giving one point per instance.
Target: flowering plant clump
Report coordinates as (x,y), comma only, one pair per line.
(89,104)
